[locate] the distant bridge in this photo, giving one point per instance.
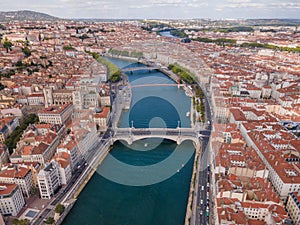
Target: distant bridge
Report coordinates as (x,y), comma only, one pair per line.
(131,69)
(175,134)
(155,85)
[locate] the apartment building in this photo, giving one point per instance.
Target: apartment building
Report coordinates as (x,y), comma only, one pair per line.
(293,206)
(56,114)
(69,146)
(49,180)
(37,144)
(101,118)
(11,199)
(7,126)
(20,175)
(277,148)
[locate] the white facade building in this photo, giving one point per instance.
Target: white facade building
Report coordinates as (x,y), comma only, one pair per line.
(49,180)
(11,199)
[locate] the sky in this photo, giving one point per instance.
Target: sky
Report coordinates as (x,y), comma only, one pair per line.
(159,9)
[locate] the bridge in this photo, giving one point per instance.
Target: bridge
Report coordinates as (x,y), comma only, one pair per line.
(177,135)
(155,85)
(131,69)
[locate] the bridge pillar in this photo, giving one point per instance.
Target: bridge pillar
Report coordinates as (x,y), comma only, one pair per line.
(178,141)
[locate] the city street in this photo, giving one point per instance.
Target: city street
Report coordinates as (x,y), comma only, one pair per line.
(202,202)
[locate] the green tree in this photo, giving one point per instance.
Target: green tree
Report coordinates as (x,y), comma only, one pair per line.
(59,209)
(2,86)
(50,220)
(26,51)
(7,44)
(14,137)
(21,222)
(68,47)
(19,63)
(84,36)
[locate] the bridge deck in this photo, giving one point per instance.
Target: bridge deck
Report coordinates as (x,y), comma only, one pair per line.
(131,69)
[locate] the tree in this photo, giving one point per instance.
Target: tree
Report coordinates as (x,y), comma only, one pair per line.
(19,63)
(68,48)
(21,222)
(59,209)
(2,86)
(50,220)
(7,44)
(26,51)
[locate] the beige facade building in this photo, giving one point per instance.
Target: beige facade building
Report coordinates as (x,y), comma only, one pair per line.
(293,206)
(101,118)
(56,114)
(20,175)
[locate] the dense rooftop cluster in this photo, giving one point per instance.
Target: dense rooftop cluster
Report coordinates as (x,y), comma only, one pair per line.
(45,69)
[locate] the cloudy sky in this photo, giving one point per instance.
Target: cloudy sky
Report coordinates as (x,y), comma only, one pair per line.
(165,9)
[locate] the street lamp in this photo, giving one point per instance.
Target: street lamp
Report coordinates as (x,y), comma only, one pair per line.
(178,128)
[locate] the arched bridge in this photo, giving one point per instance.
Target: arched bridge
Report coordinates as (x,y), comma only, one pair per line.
(131,69)
(175,134)
(155,85)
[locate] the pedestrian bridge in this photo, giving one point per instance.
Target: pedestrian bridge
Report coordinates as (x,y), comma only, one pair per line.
(175,134)
(131,69)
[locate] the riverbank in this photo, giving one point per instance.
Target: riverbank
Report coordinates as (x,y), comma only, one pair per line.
(190,205)
(93,170)
(69,201)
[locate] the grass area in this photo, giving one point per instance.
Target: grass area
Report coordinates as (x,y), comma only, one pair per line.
(200,107)
(184,74)
(232,42)
(178,33)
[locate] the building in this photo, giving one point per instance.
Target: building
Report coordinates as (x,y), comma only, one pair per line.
(37,144)
(101,118)
(7,126)
(87,95)
(11,199)
(278,150)
(57,97)
(20,175)
(35,99)
(3,154)
(69,146)
(56,114)
(49,180)
(64,166)
(293,206)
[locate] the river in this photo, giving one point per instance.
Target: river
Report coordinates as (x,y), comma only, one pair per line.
(114,196)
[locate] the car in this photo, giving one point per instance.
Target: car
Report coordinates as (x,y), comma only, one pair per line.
(201,201)
(207,184)
(202,188)
(201,212)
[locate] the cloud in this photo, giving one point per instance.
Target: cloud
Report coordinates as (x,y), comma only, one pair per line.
(159,8)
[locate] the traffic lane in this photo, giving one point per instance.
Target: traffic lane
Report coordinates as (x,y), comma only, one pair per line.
(41,218)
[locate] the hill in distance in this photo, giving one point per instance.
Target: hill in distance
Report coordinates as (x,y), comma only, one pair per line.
(25,15)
